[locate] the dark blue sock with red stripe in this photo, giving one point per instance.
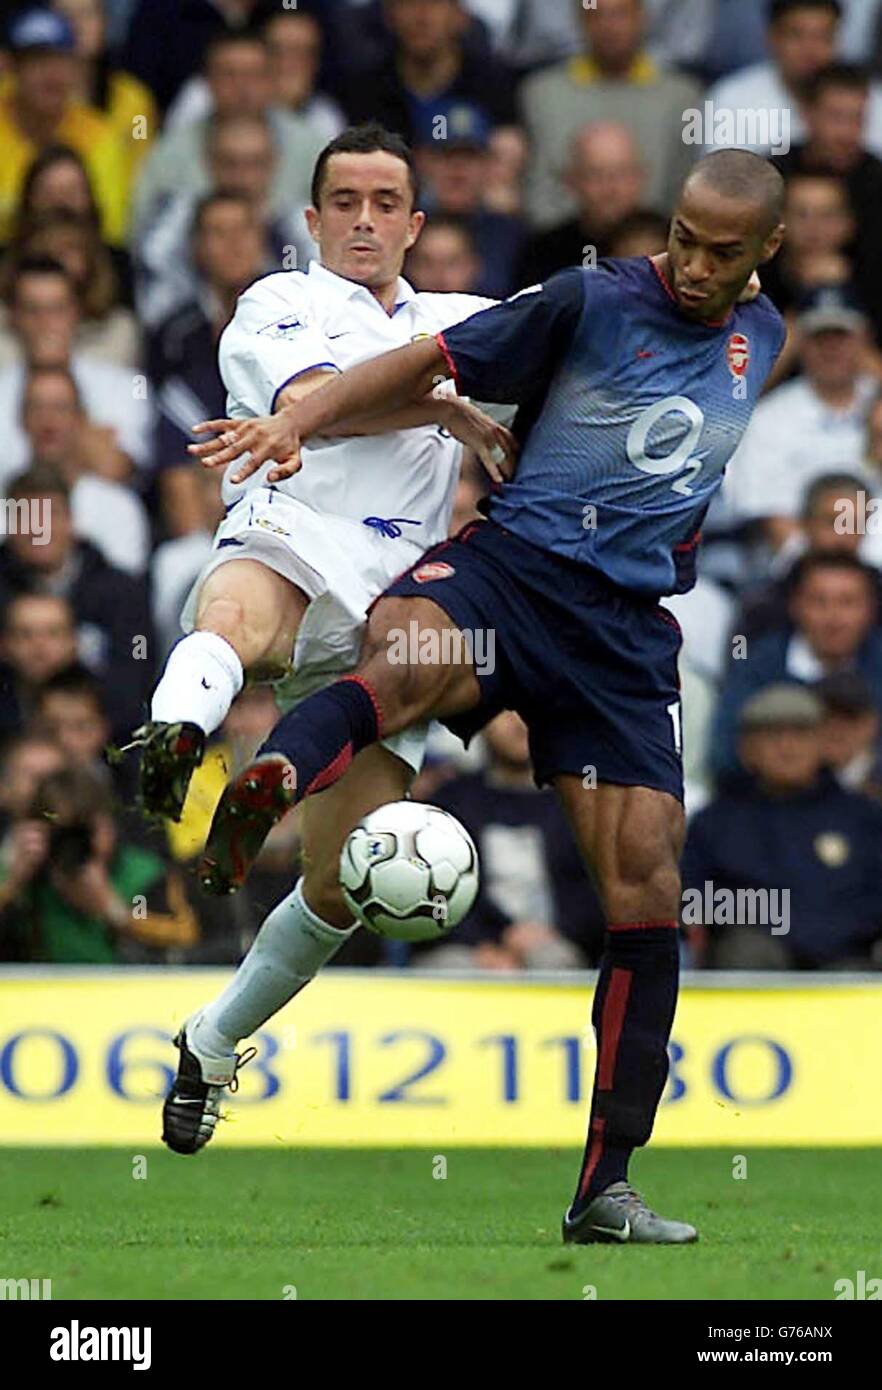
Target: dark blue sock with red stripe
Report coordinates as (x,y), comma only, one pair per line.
(321,736)
(632,1014)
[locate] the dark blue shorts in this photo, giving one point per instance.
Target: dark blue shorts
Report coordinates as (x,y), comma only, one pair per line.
(591,667)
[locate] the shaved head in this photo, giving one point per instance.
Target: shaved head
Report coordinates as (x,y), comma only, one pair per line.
(727,222)
(743,177)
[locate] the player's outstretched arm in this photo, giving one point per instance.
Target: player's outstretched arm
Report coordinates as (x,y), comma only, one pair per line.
(398,378)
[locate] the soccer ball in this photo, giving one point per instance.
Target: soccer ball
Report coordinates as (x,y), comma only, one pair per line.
(409,871)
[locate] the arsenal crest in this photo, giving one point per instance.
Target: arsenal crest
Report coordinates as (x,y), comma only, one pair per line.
(738,355)
(435,569)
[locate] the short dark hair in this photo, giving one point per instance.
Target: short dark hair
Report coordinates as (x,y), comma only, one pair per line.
(74,680)
(846,694)
(743,174)
(450,222)
(643,221)
(29,738)
(34,374)
(816,560)
(219,124)
(822,176)
(828,482)
(228,38)
(74,795)
(41,480)
(364,139)
(779,8)
(39,265)
(850,76)
(213,200)
(25,596)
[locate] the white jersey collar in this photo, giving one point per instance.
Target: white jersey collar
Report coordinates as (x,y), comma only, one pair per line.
(348,289)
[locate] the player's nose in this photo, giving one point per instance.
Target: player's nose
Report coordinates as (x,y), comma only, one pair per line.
(698,271)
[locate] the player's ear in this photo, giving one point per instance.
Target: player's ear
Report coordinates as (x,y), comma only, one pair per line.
(417,222)
(772,243)
(313,222)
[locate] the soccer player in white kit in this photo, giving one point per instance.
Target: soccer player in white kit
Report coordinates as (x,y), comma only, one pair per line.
(297,563)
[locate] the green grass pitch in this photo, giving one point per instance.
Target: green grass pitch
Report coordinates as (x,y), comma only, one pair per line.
(375,1224)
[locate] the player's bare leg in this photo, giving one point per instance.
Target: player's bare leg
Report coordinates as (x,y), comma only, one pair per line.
(631,839)
(246,621)
(296,939)
(312,746)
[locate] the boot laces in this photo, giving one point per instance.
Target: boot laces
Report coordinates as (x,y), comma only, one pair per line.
(242,1060)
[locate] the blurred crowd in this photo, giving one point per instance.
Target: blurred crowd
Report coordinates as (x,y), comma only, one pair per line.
(156,159)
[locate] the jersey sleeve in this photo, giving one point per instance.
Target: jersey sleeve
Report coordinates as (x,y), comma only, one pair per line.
(509,353)
(264,347)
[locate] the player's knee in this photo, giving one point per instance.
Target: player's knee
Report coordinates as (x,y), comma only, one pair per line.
(225,616)
(249,632)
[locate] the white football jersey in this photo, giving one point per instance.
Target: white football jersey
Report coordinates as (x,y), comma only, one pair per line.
(290,323)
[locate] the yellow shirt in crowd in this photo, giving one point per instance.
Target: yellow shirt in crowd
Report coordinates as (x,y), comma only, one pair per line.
(109,146)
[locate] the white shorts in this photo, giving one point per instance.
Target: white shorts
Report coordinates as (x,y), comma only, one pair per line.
(341,565)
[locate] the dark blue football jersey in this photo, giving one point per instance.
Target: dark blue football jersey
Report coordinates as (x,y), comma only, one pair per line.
(629,413)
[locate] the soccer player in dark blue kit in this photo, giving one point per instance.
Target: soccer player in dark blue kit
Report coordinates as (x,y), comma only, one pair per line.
(635,382)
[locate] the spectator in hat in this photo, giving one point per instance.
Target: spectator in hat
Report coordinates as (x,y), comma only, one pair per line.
(832,626)
(40,109)
(802,37)
(800,853)
(607,179)
(850,733)
(810,425)
(453,160)
(612,79)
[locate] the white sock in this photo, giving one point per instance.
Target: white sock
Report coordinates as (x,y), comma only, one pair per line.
(202,677)
(290,948)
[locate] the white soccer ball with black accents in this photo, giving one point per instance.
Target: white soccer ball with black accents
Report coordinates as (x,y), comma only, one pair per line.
(409,871)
